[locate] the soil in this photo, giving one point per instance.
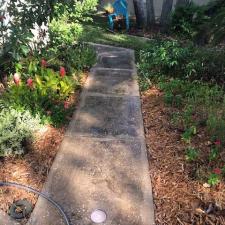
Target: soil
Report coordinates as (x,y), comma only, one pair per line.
(180,197)
(32,168)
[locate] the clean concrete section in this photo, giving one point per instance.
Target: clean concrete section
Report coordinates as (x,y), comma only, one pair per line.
(102,162)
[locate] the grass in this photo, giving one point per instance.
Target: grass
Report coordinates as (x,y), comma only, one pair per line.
(98,32)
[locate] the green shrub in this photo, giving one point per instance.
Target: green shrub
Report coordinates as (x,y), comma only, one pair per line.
(16,128)
(75,58)
(202,24)
(66,27)
(214,179)
(63,18)
(44,97)
(200,104)
(166,59)
(212,31)
(216,124)
(209,65)
(192,154)
(175,91)
(186,19)
(78,57)
(64,32)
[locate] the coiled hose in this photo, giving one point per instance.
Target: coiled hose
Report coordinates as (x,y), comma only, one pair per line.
(30,189)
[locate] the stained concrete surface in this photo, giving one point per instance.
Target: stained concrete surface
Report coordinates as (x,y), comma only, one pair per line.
(104,116)
(108,81)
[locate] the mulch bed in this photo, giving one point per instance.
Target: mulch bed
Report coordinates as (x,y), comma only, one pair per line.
(179,198)
(32,168)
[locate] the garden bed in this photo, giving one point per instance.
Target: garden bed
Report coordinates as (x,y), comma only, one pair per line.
(179,196)
(32,168)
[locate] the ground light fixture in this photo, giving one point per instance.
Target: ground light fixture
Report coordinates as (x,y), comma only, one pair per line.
(98,216)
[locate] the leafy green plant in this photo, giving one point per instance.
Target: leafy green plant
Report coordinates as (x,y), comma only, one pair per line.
(223,170)
(75,58)
(28,67)
(188,134)
(41,95)
(202,24)
(192,154)
(175,91)
(18,18)
(214,179)
(172,59)
(51,84)
(162,57)
(187,116)
(63,19)
(214,154)
(78,57)
(64,32)
(212,30)
(16,128)
(186,19)
(66,27)
(216,124)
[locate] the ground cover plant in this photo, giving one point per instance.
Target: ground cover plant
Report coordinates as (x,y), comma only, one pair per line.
(39,77)
(188,82)
(43,86)
(181,73)
(43,66)
(188,185)
(182,81)
(171,58)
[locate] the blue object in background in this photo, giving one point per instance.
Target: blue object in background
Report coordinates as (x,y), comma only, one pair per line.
(120,9)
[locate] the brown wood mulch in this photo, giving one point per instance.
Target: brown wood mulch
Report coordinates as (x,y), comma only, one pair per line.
(32,168)
(179,198)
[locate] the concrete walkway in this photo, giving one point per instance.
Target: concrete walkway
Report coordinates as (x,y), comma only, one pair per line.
(6,219)
(102,163)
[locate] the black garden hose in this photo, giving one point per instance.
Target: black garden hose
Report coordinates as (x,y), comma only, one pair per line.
(30,189)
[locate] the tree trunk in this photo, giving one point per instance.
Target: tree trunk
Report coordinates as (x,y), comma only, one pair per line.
(150,14)
(165,15)
(139,9)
